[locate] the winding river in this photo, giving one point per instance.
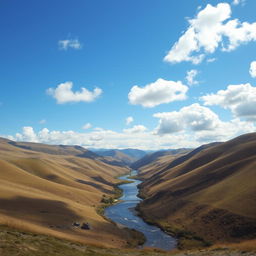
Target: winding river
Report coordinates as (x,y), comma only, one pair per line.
(124,213)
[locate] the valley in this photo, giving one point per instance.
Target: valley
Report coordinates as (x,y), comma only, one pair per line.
(204,197)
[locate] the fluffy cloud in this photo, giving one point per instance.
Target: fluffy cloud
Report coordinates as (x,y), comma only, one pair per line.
(28,134)
(190,77)
(253,69)
(100,138)
(210,29)
(225,131)
(240,99)
(136,129)
(159,92)
(201,124)
(237,2)
(194,117)
(87,126)
(63,93)
(69,43)
(129,120)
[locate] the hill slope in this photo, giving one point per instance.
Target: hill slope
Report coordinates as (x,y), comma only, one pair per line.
(149,159)
(77,151)
(47,188)
(126,156)
(210,193)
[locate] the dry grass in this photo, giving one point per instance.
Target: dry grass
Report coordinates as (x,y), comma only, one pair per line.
(211,194)
(46,193)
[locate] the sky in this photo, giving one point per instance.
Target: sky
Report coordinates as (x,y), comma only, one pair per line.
(126,73)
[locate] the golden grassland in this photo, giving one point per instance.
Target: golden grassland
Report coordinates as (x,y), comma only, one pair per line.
(47,192)
(208,198)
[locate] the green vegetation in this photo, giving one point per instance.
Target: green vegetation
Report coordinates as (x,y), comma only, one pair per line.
(19,243)
(14,242)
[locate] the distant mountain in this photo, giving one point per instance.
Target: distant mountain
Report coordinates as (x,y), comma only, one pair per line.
(151,157)
(208,193)
(127,156)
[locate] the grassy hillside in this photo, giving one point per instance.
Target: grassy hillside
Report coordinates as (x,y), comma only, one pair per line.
(125,156)
(151,162)
(77,151)
(47,188)
(207,195)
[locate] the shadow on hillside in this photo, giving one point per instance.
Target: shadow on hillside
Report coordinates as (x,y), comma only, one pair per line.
(44,211)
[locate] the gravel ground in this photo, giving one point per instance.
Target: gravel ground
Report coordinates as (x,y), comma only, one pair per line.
(217,252)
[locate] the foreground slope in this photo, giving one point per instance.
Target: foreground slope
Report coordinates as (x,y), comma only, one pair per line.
(210,194)
(16,243)
(49,188)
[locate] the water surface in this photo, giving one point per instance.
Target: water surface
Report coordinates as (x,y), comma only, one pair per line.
(124,213)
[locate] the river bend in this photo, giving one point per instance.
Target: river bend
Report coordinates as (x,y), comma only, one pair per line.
(124,213)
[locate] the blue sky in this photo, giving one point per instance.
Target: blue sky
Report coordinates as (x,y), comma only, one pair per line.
(163,63)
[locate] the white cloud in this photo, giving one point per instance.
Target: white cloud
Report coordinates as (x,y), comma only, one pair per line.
(87,126)
(69,43)
(210,29)
(159,92)
(101,138)
(225,131)
(136,129)
(63,93)
(201,124)
(193,117)
(237,2)
(129,120)
(240,99)
(210,60)
(253,69)
(190,77)
(28,134)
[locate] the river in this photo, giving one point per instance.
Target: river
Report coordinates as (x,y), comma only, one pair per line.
(124,213)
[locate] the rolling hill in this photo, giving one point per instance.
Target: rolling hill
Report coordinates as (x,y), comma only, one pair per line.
(125,156)
(158,156)
(208,194)
(47,188)
(77,151)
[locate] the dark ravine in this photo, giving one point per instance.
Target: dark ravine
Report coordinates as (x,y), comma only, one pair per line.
(124,213)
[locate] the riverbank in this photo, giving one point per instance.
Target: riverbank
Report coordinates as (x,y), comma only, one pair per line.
(186,240)
(124,214)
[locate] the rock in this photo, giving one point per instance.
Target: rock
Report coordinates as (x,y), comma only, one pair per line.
(85,226)
(76,224)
